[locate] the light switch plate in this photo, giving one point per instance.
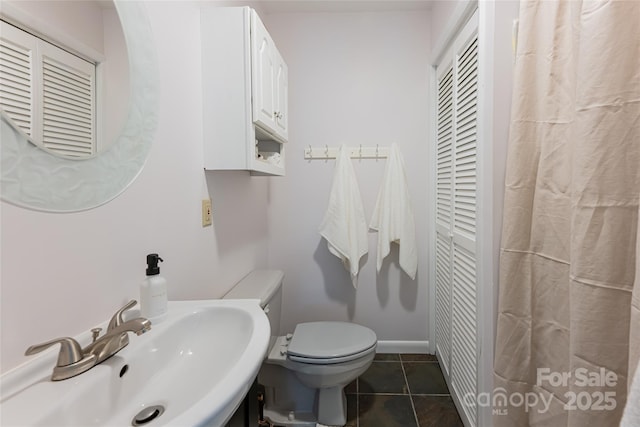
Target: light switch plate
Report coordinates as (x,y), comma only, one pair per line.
(206,212)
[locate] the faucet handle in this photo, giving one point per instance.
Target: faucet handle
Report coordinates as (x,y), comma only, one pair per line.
(95,333)
(117,320)
(70,350)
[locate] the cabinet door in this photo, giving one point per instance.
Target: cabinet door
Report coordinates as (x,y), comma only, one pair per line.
(281,100)
(262,74)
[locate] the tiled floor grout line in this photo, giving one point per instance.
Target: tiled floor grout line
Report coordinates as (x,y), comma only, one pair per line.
(406,381)
(432,394)
(383,394)
(423,399)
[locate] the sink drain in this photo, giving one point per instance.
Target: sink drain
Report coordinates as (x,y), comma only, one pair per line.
(147,415)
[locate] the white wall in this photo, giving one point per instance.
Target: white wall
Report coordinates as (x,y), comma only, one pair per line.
(441,11)
(61,20)
(63,274)
(354,78)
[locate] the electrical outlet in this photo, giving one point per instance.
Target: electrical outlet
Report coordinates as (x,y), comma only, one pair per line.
(206,212)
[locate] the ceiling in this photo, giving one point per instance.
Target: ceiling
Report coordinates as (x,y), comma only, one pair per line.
(290,6)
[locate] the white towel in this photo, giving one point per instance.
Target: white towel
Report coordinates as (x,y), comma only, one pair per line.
(393,217)
(344,224)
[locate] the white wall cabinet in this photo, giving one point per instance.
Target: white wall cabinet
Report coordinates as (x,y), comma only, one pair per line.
(245,93)
(282,97)
(269,81)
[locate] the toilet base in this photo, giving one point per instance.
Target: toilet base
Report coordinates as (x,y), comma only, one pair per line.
(332,406)
(301,394)
(288,402)
(297,420)
(301,419)
(291,419)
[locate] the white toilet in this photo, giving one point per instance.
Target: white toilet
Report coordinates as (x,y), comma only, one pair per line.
(304,373)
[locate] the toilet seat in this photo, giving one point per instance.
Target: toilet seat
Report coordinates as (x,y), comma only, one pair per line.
(324,343)
(333,360)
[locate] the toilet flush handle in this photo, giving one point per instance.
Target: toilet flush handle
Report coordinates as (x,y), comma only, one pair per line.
(266,309)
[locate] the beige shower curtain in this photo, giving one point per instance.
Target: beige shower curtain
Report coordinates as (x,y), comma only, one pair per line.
(567,337)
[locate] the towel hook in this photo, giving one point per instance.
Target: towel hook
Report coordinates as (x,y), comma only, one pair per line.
(326,151)
(360,151)
(310,152)
(376,151)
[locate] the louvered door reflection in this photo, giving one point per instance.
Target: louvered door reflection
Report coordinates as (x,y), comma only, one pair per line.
(455,249)
(49,93)
(16,76)
(68,106)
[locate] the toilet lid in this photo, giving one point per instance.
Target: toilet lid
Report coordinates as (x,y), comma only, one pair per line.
(327,340)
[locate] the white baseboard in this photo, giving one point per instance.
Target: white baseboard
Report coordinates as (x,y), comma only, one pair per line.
(403,347)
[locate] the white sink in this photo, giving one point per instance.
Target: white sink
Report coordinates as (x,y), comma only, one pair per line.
(197,364)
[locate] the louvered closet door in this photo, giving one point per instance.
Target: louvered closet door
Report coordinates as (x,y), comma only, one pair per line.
(464,337)
(444,212)
(456,292)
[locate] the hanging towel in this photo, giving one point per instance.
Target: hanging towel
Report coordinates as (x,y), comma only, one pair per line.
(344,225)
(393,217)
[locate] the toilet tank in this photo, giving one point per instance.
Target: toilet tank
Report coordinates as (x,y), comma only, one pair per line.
(265,285)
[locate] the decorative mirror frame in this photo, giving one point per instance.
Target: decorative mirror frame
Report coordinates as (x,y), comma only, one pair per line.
(33,178)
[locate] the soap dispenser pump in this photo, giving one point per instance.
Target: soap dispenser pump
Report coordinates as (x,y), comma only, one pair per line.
(153,291)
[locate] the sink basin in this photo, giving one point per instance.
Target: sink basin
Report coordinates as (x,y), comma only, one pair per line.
(192,369)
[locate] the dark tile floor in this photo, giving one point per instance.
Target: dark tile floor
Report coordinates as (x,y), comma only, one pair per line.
(401,390)
(398,390)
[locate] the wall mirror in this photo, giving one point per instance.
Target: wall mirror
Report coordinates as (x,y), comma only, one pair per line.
(48,179)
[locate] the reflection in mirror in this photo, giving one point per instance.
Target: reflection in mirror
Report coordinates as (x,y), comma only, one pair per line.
(64,78)
(33,178)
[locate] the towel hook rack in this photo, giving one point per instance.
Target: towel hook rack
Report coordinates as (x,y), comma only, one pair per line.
(325,152)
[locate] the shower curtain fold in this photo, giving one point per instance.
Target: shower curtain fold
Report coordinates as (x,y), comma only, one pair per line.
(569,304)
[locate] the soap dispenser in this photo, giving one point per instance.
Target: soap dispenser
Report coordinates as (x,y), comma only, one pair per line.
(153,291)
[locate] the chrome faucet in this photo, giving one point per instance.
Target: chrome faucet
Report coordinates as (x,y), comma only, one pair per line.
(74,360)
